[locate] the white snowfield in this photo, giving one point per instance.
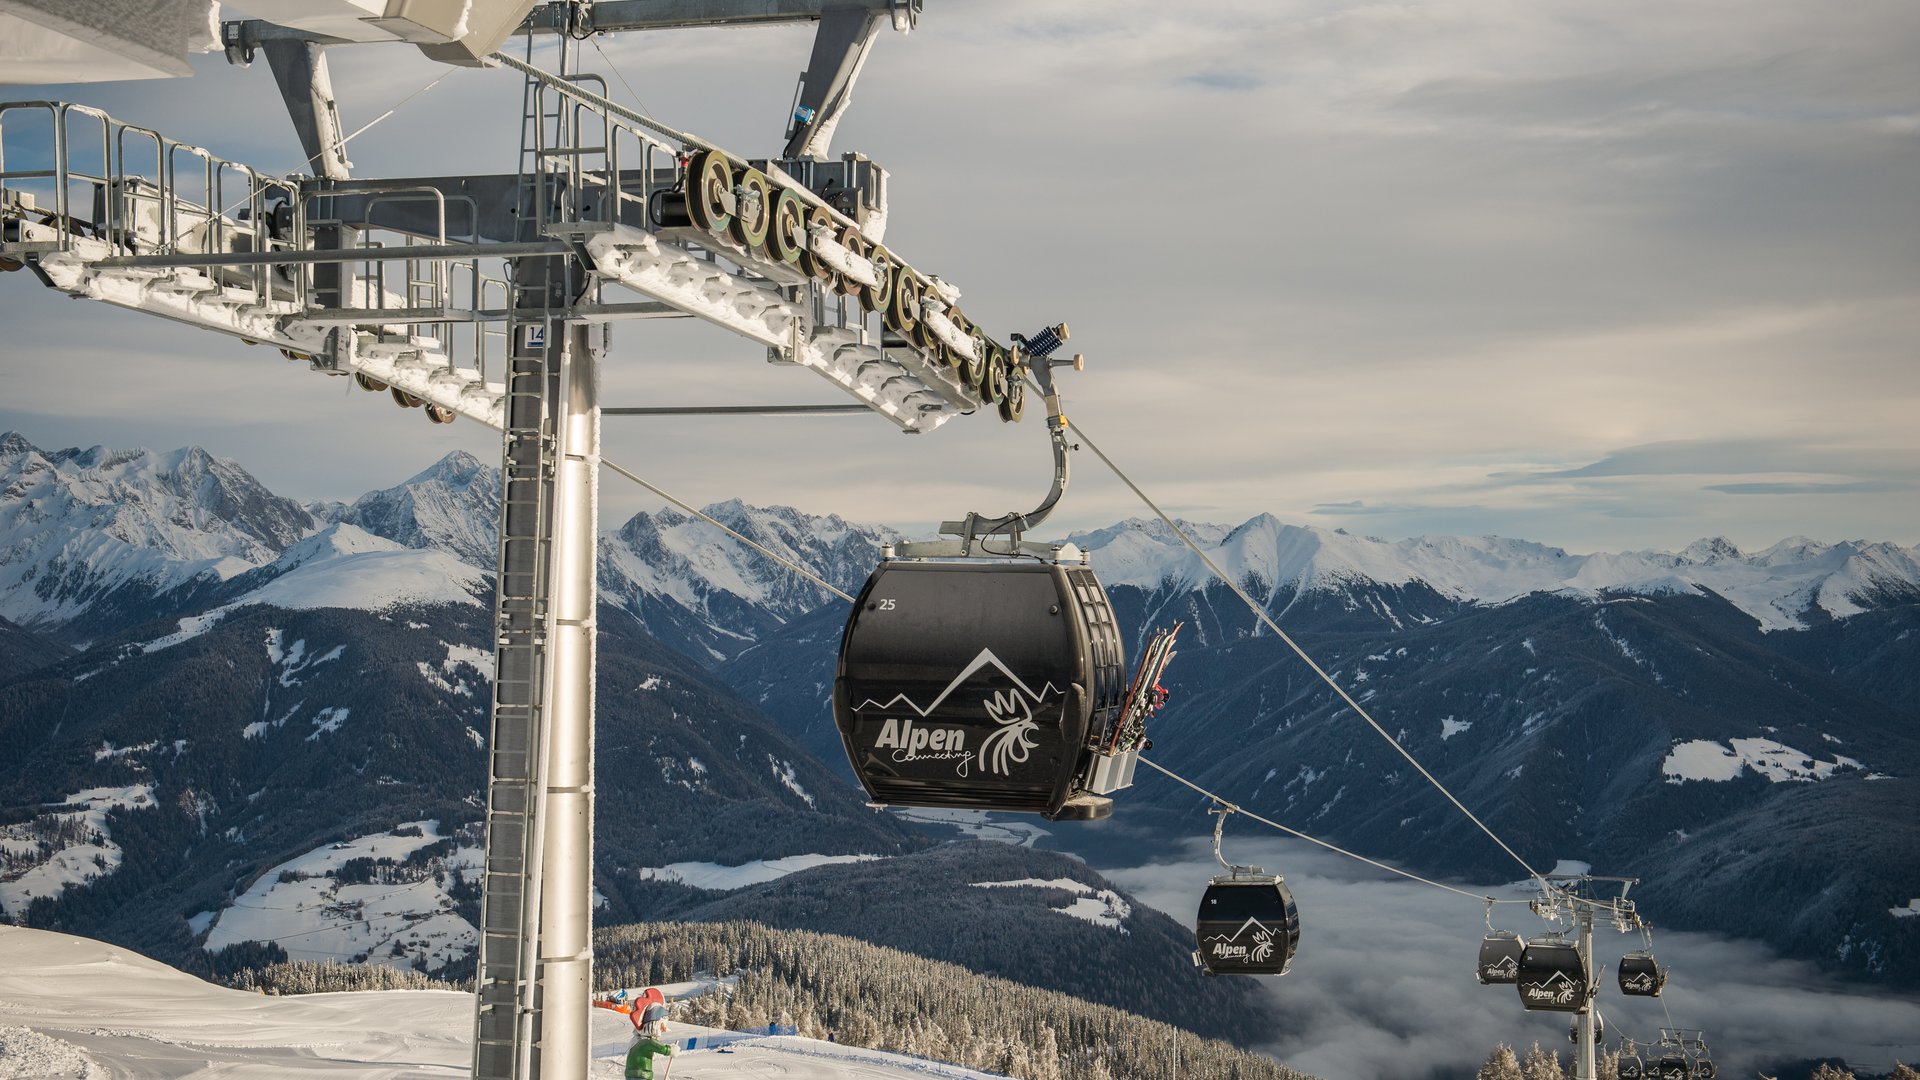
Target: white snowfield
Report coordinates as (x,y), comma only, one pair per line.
(1704,759)
(25,874)
(1777,586)
(314,917)
(343,566)
(706,875)
(1101,907)
(74,1007)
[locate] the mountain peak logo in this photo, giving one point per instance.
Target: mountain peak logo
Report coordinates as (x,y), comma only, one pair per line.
(1011,709)
(1256,949)
(1555,989)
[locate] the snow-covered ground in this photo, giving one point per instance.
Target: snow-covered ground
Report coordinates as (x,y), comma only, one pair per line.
(1704,759)
(706,875)
(1101,907)
(82,849)
(302,905)
(78,1008)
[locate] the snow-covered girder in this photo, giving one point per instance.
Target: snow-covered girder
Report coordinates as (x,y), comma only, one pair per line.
(227,248)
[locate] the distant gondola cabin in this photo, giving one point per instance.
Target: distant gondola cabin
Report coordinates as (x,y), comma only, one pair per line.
(1248,924)
(1553,976)
(1640,976)
(1500,958)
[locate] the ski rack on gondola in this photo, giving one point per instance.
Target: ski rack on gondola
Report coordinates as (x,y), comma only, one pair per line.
(403,281)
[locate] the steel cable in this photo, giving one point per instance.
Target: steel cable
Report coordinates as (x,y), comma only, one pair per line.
(1262,615)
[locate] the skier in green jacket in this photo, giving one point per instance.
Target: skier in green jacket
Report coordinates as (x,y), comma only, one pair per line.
(647,1042)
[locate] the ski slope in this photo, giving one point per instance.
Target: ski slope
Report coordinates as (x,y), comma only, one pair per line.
(77,1008)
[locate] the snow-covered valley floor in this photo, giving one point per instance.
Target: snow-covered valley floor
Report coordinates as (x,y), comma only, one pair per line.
(77,1008)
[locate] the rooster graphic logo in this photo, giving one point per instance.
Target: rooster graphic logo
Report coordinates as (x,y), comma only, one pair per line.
(1262,946)
(1013,740)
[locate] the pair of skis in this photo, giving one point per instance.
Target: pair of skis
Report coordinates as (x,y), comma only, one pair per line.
(1145,695)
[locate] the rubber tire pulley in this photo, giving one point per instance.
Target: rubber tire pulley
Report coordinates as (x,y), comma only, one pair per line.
(404,399)
(787,235)
(1015,402)
(754,210)
(903,314)
(439,414)
(874,298)
(368,383)
(811,263)
(708,178)
(851,240)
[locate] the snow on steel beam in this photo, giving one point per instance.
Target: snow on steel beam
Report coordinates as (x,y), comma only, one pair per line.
(417,366)
(898,384)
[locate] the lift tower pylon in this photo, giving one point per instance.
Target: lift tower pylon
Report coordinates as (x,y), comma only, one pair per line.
(488,297)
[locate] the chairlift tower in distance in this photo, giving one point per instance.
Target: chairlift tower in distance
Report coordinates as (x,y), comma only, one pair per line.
(491,297)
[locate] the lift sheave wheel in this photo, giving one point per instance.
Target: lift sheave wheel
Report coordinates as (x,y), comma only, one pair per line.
(439,414)
(1015,402)
(875,297)
(1640,976)
(994,387)
(753,214)
(817,219)
(856,246)
(978,684)
(368,383)
(1553,977)
(787,236)
(903,315)
(404,399)
(1248,925)
(976,373)
(710,191)
(1500,958)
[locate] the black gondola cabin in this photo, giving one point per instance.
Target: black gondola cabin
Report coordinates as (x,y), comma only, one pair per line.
(979,684)
(1673,1067)
(1247,925)
(1553,977)
(1500,958)
(1629,1067)
(1640,976)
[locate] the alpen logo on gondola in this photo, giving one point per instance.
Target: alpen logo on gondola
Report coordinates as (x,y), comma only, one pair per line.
(1506,968)
(1255,950)
(1635,984)
(1555,989)
(1011,710)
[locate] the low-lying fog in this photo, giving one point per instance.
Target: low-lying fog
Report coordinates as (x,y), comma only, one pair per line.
(1383,984)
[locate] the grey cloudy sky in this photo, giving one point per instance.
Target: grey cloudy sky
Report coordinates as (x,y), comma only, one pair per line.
(1605,275)
(1382,987)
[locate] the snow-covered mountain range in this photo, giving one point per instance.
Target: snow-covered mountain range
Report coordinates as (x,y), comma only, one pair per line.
(1784,586)
(89,536)
(1666,710)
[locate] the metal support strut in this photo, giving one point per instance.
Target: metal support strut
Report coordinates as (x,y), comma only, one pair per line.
(1036,354)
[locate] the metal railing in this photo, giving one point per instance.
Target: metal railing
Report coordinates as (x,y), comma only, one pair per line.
(88,176)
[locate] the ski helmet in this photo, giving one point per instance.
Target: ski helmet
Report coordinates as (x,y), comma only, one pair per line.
(654,1014)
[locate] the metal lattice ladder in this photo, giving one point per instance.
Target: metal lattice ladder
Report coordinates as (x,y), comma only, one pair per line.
(510,910)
